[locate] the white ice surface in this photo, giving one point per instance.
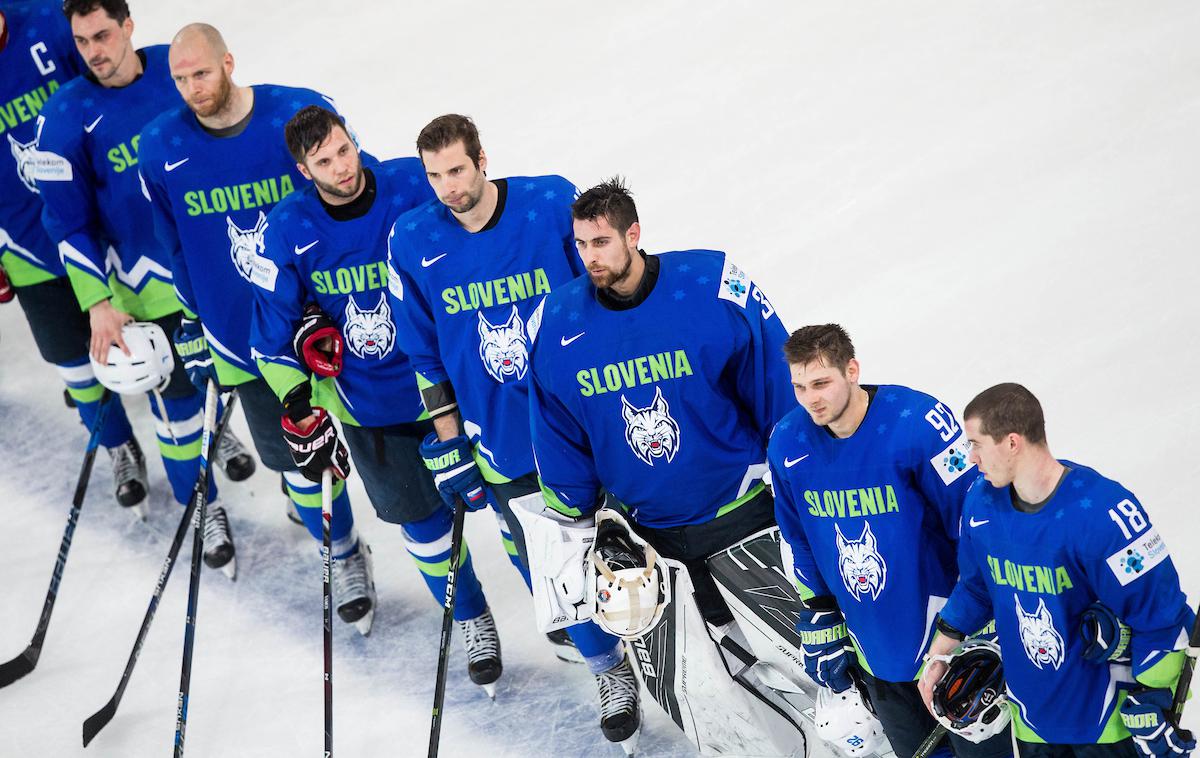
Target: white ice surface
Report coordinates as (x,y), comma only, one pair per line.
(980,192)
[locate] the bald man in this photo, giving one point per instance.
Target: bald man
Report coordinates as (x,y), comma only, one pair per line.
(213,169)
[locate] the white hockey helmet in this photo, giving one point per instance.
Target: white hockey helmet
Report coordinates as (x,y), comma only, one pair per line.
(147,367)
(845,722)
(630,589)
(970,699)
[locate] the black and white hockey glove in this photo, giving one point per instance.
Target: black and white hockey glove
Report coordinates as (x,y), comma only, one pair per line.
(316,446)
(318,343)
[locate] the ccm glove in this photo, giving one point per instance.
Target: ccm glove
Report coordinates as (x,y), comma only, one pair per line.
(318,448)
(318,343)
(1105,637)
(1155,734)
(192,348)
(827,650)
(455,472)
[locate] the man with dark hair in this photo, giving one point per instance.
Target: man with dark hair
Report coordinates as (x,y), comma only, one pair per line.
(466,274)
(38,57)
(94,210)
(658,379)
(213,168)
(346,341)
(1090,617)
(869,483)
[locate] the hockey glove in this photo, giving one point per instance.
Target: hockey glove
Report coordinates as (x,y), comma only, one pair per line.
(6,288)
(192,348)
(316,448)
(826,645)
(1105,637)
(317,343)
(455,472)
(1155,734)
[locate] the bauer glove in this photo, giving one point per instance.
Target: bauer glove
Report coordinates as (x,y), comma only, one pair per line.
(455,472)
(316,448)
(825,644)
(1145,715)
(317,343)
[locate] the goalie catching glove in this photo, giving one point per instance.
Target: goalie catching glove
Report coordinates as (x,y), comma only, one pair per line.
(969,700)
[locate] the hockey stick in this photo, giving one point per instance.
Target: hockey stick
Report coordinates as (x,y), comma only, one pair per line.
(100,719)
(931,742)
(11,671)
(439,689)
(189,629)
(326,554)
(1185,677)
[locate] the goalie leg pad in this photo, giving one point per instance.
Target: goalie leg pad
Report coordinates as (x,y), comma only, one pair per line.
(557,547)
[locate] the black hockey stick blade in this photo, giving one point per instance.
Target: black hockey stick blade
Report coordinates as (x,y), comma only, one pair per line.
(99,720)
(23,664)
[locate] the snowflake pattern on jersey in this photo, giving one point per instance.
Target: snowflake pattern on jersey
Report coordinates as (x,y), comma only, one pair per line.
(245,245)
(369,332)
(1042,642)
(863,570)
(651,432)
(503,348)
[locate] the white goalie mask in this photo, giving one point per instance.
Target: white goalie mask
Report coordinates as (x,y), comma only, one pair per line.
(148,366)
(629,589)
(844,721)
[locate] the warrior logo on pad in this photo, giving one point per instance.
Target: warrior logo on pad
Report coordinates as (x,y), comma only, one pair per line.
(863,569)
(1042,642)
(503,347)
(246,245)
(651,432)
(369,332)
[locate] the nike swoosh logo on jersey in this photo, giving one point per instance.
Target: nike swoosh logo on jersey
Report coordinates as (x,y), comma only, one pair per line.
(175,165)
(564,341)
(427,262)
(789,462)
(974,523)
(90,127)
(305,249)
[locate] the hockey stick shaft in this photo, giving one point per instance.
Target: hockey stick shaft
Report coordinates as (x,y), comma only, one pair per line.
(439,689)
(100,719)
(931,742)
(24,663)
(189,630)
(1185,674)
(326,562)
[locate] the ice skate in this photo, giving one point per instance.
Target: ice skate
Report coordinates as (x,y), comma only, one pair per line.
(482,644)
(129,476)
(354,588)
(564,647)
(219,552)
(233,458)
(620,706)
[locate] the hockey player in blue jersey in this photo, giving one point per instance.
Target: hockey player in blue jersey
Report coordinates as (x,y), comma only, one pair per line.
(213,168)
(1049,548)
(869,482)
(37,58)
(466,273)
(328,244)
(89,135)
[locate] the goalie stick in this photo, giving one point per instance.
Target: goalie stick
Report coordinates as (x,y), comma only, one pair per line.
(100,719)
(11,671)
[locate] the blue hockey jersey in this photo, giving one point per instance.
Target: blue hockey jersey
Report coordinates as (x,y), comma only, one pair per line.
(1037,572)
(667,405)
(872,520)
(38,60)
(210,198)
(462,302)
(95,209)
(342,267)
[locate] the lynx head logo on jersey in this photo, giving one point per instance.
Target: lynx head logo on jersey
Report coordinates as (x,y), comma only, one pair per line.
(24,154)
(246,244)
(503,347)
(1043,644)
(370,332)
(651,432)
(863,569)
